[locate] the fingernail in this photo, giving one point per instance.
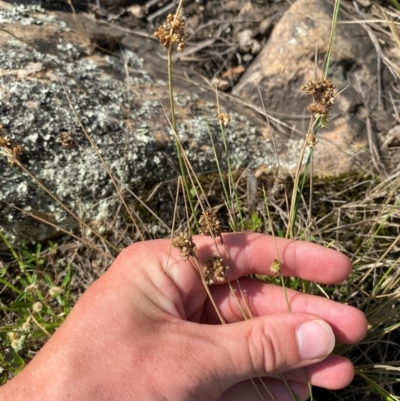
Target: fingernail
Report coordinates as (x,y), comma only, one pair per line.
(315,339)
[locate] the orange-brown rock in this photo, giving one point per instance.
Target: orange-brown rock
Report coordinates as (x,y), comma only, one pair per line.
(288,60)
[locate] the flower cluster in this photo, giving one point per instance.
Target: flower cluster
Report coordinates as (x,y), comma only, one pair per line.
(323,93)
(224,118)
(275,266)
(172,31)
(311,140)
(209,224)
(67,140)
(55,291)
(9,148)
(185,244)
(214,269)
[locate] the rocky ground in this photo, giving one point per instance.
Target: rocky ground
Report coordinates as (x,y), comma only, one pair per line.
(238,45)
(248,49)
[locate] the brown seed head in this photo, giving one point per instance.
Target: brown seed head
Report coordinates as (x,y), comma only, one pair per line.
(311,140)
(17,149)
(67,140)
(224,118)
(5,142)
(10,149)
(209,224)
(185,244)
(275,267)
(214,269)
(319,108)
(172,31)
(323,93)
(279,186)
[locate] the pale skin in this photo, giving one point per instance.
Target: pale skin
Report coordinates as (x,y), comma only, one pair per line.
(147,331)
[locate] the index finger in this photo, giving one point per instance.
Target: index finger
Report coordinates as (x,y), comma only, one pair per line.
(251,253)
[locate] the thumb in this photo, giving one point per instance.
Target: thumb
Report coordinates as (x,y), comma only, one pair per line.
(269,345)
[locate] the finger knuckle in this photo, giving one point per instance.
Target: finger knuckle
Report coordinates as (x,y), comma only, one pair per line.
(265,349)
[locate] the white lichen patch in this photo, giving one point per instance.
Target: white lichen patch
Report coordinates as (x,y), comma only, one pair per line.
(28,15)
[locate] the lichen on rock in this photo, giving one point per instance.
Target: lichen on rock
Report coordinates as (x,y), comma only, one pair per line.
(47,74)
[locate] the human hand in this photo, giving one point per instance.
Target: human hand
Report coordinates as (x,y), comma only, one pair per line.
(147,332)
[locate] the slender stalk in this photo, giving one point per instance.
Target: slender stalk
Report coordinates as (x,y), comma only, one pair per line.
(104,164)
(276,250)
(232,186)
(59,202)
(292,212)
(228,202)
(331,38)
(14,253)
(230,175)
(83,241)
(289,389)
(170,88)
(173,123)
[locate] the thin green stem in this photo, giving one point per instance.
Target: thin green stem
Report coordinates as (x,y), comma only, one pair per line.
(173,123)
(395,4)
(14,253)
(170,88)
(331,38)
(230,175)
(227,198)
(288,388)
(271,228)
(228,201)
(293,204)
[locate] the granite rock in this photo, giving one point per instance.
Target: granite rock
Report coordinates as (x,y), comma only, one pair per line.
(48,72)
(288,60)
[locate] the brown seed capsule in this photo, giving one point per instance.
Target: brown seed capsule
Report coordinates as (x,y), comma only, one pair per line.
(172,32)
(224,118)
(209,224)
(214,269)
(185,244)
(311,140)
(67,140)
(322,91)
(275,267)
